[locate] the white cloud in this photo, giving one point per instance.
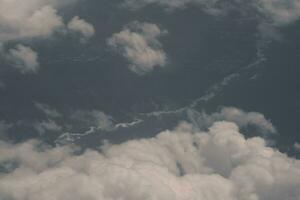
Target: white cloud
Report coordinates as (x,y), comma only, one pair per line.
(138,43)
(85,29)
(24,59)
(219,164)
(36,18)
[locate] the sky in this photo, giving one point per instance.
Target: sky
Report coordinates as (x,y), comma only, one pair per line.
(149,99)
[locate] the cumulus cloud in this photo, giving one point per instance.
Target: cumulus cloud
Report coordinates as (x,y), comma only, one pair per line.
(36,18)
(219,164)
(24,59)
(85,29)
(138,43)
(231,114)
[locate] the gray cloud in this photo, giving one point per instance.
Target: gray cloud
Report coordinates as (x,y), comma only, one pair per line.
(2,85)
(270,13)
(219,164)
(93,118)
(47,110)
(46,126)
(297,146)
(138,43)
(24,59)
(4,127)
(208,5)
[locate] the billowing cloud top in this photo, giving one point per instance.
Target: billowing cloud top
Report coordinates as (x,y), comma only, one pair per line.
(184,165)
(138,42)
(36,18)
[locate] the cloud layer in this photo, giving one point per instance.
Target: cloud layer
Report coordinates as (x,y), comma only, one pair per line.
(138,43)
(219,164)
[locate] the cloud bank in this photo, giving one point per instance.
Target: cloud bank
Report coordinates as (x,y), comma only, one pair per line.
(138,43)
(182,164)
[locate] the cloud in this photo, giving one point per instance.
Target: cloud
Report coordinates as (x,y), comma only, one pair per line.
(93,118)
(85,29)
(297,146)
(4,127)
(170,4)
(36,18)
(2,85)
(46,126)
(24,59)
(280,12)
(219,164)
(46,109)
(231,114)
(269,13)
(138,43)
